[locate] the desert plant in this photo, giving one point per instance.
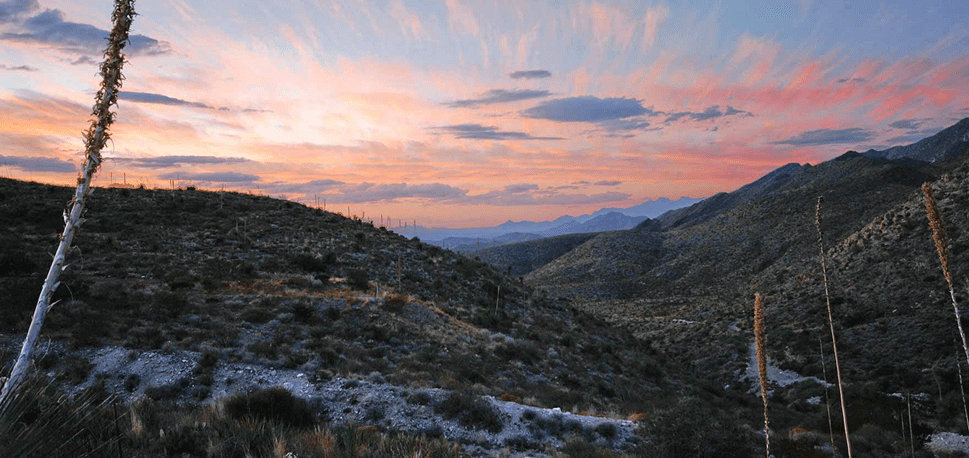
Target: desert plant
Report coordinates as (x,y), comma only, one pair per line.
(471,411)
(942,247)
(760,336)
(271,404)
(834,344)
(94,141)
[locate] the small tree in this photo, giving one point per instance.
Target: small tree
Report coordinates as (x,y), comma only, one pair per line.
(94,140)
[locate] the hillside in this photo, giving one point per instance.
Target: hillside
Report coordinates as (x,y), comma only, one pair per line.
(723,249)
(219,280)
(518,259)
(951,142)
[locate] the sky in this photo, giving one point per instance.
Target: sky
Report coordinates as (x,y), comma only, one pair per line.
(462,113)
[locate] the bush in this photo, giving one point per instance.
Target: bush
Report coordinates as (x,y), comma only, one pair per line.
(358,279)
(75,370)
(693,428)
(471,411)
(272,404)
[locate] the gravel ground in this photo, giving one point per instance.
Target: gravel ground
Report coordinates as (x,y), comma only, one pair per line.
(367,402)
(774,374)
(948,442)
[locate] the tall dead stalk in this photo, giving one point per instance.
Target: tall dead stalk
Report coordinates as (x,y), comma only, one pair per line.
(95,139)
(834,344)
(942,247)
(760,337)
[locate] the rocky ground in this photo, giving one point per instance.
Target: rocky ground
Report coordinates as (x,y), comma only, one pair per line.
(134,375)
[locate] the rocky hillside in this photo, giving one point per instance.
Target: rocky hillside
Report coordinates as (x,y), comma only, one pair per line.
(250,283)
(724,249)
(518,259)
(951,142)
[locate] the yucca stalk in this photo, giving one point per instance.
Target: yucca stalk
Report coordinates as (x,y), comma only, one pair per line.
(760,336)
(962,389)
(827,402)
(942,247)
(94,140)
(834,343)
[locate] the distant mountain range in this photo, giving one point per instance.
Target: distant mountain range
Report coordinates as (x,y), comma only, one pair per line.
(606,219)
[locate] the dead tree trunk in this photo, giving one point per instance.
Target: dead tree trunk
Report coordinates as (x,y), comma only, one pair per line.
(94,140)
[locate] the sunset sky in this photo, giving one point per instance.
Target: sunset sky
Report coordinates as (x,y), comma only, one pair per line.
(463,113)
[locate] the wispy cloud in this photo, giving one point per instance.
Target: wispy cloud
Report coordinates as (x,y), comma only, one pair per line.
(49,27)
(499,96)
(586,109)
(147,97)
(828,137)
(480,132)
(213,177)
(710,113)
(530,74)
(390,192)
(906,124)
(13,9)
(173,161)
(18,68)
(38,164)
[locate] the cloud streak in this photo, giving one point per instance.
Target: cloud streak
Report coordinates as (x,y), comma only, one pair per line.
(18,68)
(499,96)
(174,161)
(147,97)
(586,109)
(38,164)
(480,132)
(49,27)
(213,177)
(530,74)
(820,137)
(708,114)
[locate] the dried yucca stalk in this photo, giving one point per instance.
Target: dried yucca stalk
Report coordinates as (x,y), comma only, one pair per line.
(760,336)
(942,246)
(834,344)
(94,140)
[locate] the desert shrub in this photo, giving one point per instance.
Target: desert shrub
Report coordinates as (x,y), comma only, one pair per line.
(523,352)
(358,279)
(471,411)
(145,338)
(521,443)
(395,303)
(271,404)
(303,312)
(257,315)
(131,382)
(294,359)
(421,398)
(696,429)
(263,348)
(495,320)
(313,264)
(578,447)
(75,370)
(607,430)
(168,392)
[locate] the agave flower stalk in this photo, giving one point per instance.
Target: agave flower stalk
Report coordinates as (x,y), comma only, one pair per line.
(942,247)
(95,139)
(760,336)
(834,343)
